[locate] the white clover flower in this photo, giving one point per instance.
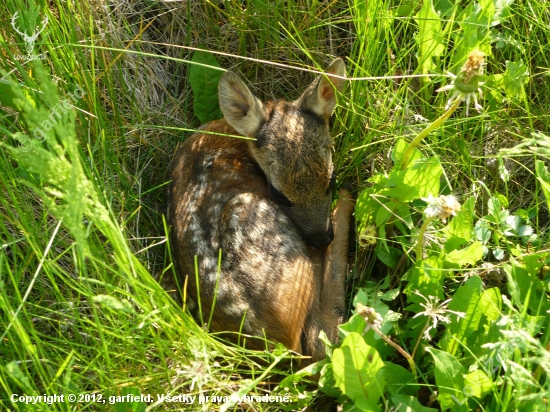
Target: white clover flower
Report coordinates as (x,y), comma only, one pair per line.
(467,84)
(441,207)
(433,209)
(437,312)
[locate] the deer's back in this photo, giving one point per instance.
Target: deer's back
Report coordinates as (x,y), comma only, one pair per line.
(220,199)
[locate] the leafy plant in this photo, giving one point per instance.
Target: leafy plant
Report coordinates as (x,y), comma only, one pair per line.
(500,229)
(404,217)
(204,79)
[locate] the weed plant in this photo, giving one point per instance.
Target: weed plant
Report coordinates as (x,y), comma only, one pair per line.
(449,287)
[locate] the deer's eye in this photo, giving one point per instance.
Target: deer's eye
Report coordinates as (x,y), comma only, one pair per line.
(332,182)
(279,197)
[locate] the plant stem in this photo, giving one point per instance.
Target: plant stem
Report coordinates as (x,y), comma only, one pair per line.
(399,349)
(420,241)
(432,126)
(419,339)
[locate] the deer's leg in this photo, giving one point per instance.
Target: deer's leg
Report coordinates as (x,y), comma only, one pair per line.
(329,309)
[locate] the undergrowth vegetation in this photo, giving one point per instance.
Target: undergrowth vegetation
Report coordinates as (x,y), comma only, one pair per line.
(443,131)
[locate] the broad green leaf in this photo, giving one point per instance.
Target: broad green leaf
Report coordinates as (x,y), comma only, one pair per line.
(427,277)
(446,8)
(390,317)
(390,294)
(502,10)
(491,304)
(385,213)
(372,297)
(404,10)
(390,256)
(366,208)
(488,10)
(534,262)
(514,223)
(399,149)
(113,303)
(309,370)
(429,38)
(494,206)
(328,343)
(499,253)
(327,384)
(357,369)
(204,79)
(399,380)
(405,403)
(450,381)
(525,231)
(478,384)
(465,300)
(355,324)
(475,22)
(543,176)
(420,179)
(483,233)
(481,309)
(403,221)
(504,203)
(515,76)
(363,296)
(526,288)
(467,256)
(18,376)
(460,226)
(366,405)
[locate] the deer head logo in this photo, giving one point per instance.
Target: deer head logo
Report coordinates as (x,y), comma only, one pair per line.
(29,39)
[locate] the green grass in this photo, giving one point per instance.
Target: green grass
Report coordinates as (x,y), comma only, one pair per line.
(82,233)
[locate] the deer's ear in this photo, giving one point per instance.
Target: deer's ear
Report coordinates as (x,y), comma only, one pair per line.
(242,110)
(320,96)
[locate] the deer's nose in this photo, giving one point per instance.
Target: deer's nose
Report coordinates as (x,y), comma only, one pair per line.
(320,240)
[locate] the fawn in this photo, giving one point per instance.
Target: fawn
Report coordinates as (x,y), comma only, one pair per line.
(266,203)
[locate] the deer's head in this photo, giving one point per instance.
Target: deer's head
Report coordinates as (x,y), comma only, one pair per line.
(29,39)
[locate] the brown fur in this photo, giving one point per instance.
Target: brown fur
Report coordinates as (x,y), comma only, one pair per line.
(281,276)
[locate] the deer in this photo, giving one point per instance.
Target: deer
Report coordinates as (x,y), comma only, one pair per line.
(258,185)
(29,39)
